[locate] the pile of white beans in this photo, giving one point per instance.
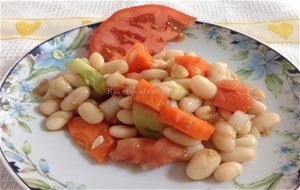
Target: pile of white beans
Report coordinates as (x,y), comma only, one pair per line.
(236,133)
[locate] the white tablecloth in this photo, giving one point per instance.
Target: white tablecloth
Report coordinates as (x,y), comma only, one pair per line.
(252,18)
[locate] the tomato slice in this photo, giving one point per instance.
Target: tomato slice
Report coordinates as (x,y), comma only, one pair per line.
(233,86)
(151,25)
(233,95)
(148,152)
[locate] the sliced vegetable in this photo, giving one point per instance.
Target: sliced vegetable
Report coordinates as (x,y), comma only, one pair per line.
(177,91)
(186,123)
(233,86)
(151,25)
(147,94)
(163,152)
(195,65)
(131,150)
(90,75)
(85,135)
(138,58)
(146,120)
(148,152)
(233,95)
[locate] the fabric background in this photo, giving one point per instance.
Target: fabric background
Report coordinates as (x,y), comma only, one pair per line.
(24,25)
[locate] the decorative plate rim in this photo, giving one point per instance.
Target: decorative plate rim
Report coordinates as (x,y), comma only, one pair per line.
(3,158)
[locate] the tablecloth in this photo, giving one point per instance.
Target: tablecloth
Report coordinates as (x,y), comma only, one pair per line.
(26,24)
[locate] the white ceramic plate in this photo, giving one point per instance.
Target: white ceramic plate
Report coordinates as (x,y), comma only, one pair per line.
(39,159)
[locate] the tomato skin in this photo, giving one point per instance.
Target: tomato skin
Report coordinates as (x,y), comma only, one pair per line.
(233,86)
(232,101)
(131,150)
(194,65)
(151,25)
(163,152)
(147,151)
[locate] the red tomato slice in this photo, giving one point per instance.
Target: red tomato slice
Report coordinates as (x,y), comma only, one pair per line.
(151,25)
(233,86)
(131,150)
(147,151)
(232,101)
(163,152)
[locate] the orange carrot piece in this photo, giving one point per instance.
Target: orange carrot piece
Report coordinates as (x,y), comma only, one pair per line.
(186,122)
(84,134)
(147,94)
(194,65)
(138,58)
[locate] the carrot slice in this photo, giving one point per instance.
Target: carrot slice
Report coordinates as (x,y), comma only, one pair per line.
(138,58)
(186,123)
(194,65)
(85,134)
(147,94)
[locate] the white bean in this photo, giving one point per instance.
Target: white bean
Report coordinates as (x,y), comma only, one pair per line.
(246,140)
(258,93)
(217,72)
(129,90)
(96,61)
(131,82)
(266,121)
(160,55)
(134,75)
(125,116)
(190,53)
(59,87)
(75,98)
(228,171)
(49,106)
(92,101)
(245,129)
(238,120)
(155,74)
(126,102)
(225,114)
(90,113)
(110,107)
(255,132)
(190,103)
(203,164)
(74,79)
(238,154)
(223,141)
(179,72)
(202,87)
(171,53)
(85,60)
(179,137)
(155,81)
(257,108)
(115,65)
(224,127)
(58,119)
(42,88)
(174,103)
(190,151)
(115,80)
(186,83)
(205,112)
(159,64)
(122,131)
(48,96)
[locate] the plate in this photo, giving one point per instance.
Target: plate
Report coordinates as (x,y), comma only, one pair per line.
(39,159)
